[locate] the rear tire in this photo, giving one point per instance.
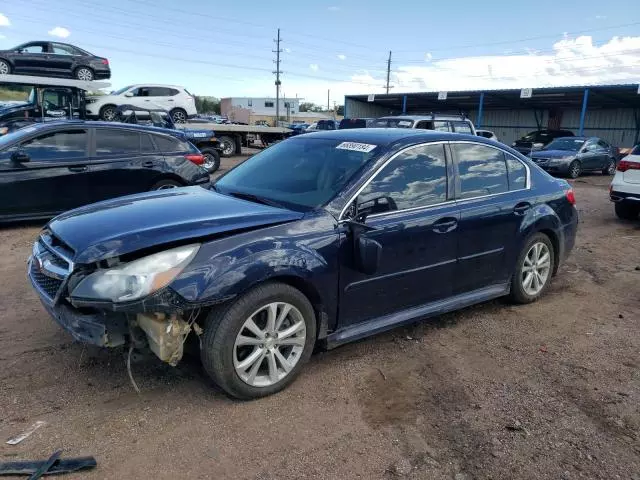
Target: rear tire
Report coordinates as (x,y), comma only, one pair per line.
(166,184)
(610,169)
(5,67)
(224,350)
(228,145)
(533,270)
(211,159)
(575,169)
(84,73)
(178,115)
(625,211)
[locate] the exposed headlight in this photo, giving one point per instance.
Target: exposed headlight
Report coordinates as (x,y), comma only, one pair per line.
(513,144)
(4,130)
(136,279)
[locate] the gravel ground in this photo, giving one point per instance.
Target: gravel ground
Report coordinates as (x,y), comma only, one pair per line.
(548,390)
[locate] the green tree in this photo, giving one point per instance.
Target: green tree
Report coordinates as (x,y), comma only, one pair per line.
(310,107)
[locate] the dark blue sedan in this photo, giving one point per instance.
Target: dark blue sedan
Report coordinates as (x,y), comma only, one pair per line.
(321,239)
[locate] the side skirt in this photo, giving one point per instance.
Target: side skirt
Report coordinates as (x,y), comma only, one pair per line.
(392,320)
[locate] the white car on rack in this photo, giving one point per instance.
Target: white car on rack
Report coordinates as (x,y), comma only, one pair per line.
(625,187)
(176,100)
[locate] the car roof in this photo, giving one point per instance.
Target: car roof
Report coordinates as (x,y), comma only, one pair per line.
(429,116)
(156,85)
(90,123)
(387,136)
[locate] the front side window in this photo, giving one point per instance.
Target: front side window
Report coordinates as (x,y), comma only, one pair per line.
(415,178)
(66,144)
(481,170)
(567,144)
(302,173)
(114,142)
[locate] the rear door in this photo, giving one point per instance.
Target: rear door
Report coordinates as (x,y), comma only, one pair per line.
(54,180)
(493,197)
(61,58)
(122,162)
(160,97)
(604,152)
(590,156)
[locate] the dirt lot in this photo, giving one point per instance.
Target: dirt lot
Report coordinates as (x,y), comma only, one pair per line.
(549,390)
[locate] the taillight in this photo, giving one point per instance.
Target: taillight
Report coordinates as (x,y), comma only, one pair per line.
(625,165)
(196,158)
(105,61)
(571,197)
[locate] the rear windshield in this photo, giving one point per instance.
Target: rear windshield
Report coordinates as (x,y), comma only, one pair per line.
(636,150)
(392,123)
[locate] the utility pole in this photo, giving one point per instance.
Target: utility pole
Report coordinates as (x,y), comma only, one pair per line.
(388,72)
(328,92)
(277,73)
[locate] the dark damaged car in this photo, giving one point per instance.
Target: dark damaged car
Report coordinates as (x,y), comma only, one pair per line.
(319,240)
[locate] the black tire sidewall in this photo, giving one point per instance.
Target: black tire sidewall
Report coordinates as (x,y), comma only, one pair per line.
(571,168)
(179,110)
(216,155)
(605,170)
(224,324)
(518,295)
(224,139)
(104,109)
(166,181)
(9,69)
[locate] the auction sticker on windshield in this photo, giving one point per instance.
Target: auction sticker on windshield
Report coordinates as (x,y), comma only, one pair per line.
(356,147)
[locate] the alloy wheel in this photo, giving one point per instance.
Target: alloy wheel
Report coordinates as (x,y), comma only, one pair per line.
(209,161)
(269,344)
(85,74)
(536,268)
(4,68)
(166,186)
(109,114)
(179,116)
(611,169)
(574,170)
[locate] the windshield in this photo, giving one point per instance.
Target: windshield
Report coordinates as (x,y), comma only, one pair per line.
(568,144)
(536,137)
(301,173)
(392,123)
(121,91)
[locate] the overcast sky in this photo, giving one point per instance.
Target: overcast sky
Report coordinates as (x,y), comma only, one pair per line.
(225,48)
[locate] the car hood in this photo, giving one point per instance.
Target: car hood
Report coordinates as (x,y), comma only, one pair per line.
(128,224)
(553,154)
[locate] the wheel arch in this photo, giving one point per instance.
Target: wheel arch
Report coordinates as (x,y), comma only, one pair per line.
(544,219)
(167,176)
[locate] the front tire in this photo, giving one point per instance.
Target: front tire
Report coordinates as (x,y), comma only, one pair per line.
(257,345)
(211,159)
(84,73)
(108,113)
(575,169)
(5,67)
(624,211)
(534,269)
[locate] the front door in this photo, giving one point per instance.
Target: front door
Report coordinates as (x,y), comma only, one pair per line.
(409,212)
(52,181)
(32,58)
(492,194)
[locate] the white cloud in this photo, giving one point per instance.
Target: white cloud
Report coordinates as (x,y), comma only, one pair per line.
(314,67)
(600,17)
(4,21)
(287,50)
(2,36)
(342,57)
(428,57)
(334,9)
(59,32)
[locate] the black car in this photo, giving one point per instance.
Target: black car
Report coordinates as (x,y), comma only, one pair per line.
(323,238)
(355,123)
(53,59)
(573,155)
(536,140)
(48,168)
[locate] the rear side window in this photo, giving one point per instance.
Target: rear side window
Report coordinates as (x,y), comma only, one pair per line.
(481,170)
(415,178)
(162,92)
(61,145)
(114,142)
(461,127)
(517,173)
(171,144)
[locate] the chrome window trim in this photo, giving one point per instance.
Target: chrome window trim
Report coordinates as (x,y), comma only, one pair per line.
(440,142)
(377,172)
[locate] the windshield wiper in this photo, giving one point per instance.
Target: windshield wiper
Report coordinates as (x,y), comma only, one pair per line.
(255,198)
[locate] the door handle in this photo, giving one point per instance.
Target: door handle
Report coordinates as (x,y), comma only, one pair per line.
(521,208)
(445,225)
(80,168)
(147,164)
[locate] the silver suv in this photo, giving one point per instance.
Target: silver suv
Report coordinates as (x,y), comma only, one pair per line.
(441,123)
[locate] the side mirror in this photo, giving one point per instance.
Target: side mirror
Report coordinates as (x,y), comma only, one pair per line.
(20,156)
(128,94)
(367,254)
